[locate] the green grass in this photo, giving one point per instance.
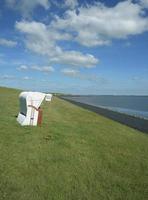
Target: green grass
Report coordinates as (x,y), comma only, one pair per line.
(75,155)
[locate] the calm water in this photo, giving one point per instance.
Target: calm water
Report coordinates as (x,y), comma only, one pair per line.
(131,105)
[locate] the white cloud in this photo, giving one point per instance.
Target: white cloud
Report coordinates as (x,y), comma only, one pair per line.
(26,78)
(43,39)
(135,78)
(89,39)
(7,77)
(40,38)
(98,24)
(71,3)
(87,77)
(23,67)
(7,43)
(75,58)
(70,72)
(46,69)
(93,25)
(144,3)
(27,6)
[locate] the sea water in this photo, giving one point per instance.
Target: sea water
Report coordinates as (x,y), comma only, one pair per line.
(131,105)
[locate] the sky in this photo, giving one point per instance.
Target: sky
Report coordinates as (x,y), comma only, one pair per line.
(75,46)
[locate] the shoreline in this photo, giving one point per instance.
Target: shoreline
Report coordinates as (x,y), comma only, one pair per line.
(131,121)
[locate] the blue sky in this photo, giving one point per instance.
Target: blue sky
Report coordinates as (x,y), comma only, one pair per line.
(75,46)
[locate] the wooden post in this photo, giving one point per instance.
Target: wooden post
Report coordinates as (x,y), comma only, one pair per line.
(40,117)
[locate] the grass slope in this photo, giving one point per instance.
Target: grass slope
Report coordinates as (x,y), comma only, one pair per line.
(75,155)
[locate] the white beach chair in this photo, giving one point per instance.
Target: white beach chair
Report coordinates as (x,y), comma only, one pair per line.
(29,107)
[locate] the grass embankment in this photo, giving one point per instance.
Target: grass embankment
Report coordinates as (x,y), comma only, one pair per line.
(76,154)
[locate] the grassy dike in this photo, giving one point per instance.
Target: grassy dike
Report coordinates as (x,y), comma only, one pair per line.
(75,155)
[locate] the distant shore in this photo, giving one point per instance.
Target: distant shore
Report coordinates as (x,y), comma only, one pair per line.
(131,121)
